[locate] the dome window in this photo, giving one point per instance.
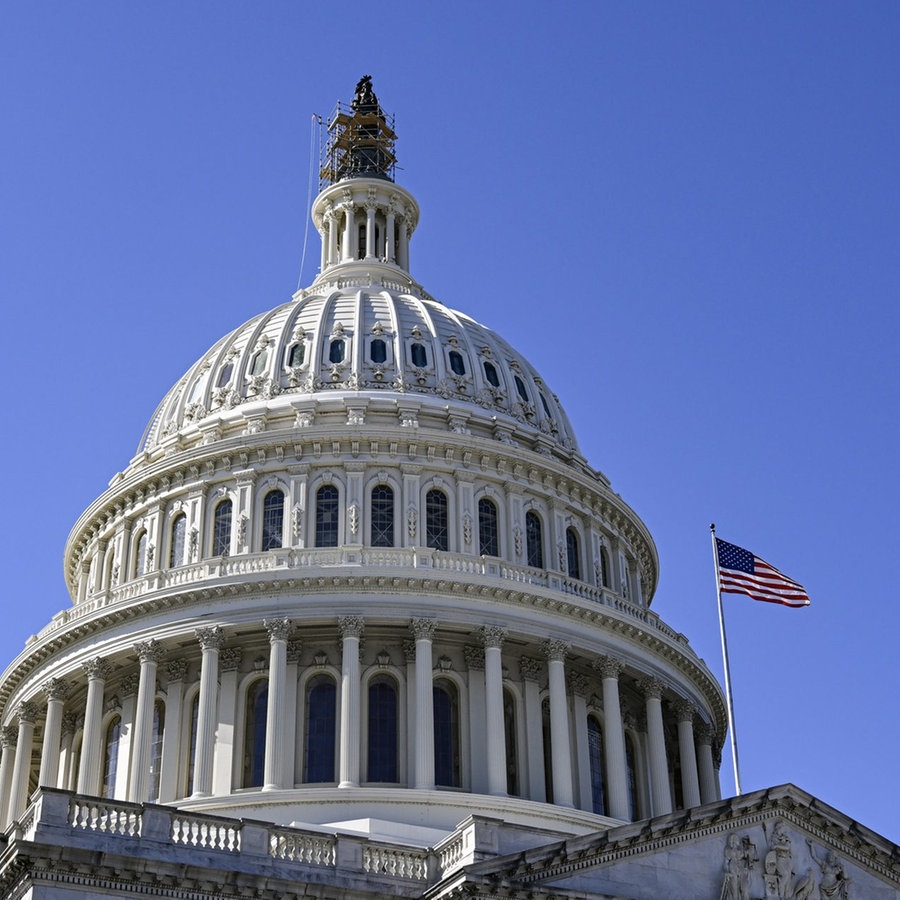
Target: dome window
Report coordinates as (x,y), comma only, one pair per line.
(258,365)
(321,704)
(336,351)
(523,393)
(546,407)
(382,516)
(383,721)
(296,355)
(445,698)
(490,372)
(176,542)
(534,540)
(488,533)
(327,516)
(255,734)
(225,375)
(437,520)
(573,555)
(221,543)
(377,351)
(418,355)
(457,364)
(273,520)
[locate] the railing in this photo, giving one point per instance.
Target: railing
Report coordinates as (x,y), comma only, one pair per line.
(89,814)
(396,862)
(299,846)
(206,833)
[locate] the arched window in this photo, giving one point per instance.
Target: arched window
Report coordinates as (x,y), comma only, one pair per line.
(321,697)
(382,516)
(377,350)
(221,543)
(446,733)
(457,364)
(156,745)
(255,734)
(111,757)
(604,567)
(140,555)
(534,540)
(548,749)
(490,372)
(488,535)
(382,763)
(178,532)
(336,351)
(595,757)
(273,520)
(418,355)
(573,558)
(520,387)
(327,516)
(512,743)
(436,520)
(296,355)
(192,744)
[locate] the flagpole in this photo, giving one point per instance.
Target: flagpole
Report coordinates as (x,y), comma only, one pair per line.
(728,697)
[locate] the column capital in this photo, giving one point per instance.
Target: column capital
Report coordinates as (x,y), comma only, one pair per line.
(55,689)
(69,723)
(294,649)
(409,650)
(278,629)
(351,626)
(651,688)
(230,659)
(176,669)
(474,658)
(493,635)
(27,712)
(555,649)
(423,629)
(685,711)
(577,683)
(128,686)
(210,638)
(705,733)
(97,667)
(150,651)
(608,666)
(9,736)
(530,668)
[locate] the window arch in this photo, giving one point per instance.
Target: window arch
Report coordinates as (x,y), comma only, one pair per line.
(382,516)
(336,350)
(604,567)
(534,539)
(258,363)
(321,704)
(490,372)
(446,733)
(273,520)
(221,543)
(488,528)
(225,375)
(512,743)
(457,363)
(521,389)
(296,355)
(156,746)
(437,520)
(573,555)
(255,733)
(139,567)
(327,516)
(595,757)
(382,730)
(418,355)
(177,535)
(378,350)
(111,757)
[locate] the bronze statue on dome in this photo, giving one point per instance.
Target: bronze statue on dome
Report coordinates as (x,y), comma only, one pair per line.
(364,97)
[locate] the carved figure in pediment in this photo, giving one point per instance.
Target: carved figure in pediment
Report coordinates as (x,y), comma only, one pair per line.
(835,885)
(779,864)
(740,857)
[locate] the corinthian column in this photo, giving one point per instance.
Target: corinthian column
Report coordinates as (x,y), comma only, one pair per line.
(351,628)
(614,739)
(8,735)
(149,653)
(27,713)
(279,632)
(690,781)
(56,690)
(423,630)
(211,640)
(709,784)
(659,765)
(560,745)
(92,739)
(492,637)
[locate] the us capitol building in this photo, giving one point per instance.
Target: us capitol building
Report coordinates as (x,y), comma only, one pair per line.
(360,620)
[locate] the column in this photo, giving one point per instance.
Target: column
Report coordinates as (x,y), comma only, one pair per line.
(423,631)
(614,740)
(8,735)
(223,762)
(332,219)
(168,775)
(403,248)
(492,637)
(279,630)
(555,651)
(389,252)
(211,640)
(349,231)
(149,653)
(370,229)
(55,691)
(478,720)
(530,672)
(18,800)
(659,766)
(92,738)
(709,783)
(690,781)
(351,628)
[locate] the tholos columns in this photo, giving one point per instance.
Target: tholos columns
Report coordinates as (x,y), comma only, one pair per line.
(423,630)
(279,631)
(91,743)
(8,735)
(560,745)
(659,766)
(709,784)
(211,640)
(149,653)
(55,691)
(492,637)
(617,792)
(690,781)
(351,628)
(18,800)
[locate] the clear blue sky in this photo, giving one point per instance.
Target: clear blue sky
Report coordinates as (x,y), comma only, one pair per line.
(685,214)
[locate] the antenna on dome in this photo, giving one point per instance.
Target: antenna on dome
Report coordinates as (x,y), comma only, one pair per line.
(360,140)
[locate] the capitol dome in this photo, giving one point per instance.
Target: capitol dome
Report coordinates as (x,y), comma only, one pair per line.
(359,579)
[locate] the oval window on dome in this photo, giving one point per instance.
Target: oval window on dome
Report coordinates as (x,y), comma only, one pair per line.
(225,375)
(457,364)
(490,372)
(377,350)
(418,355)
(296,355)
(258,366)
(523,393)
(546,407)
(336,351)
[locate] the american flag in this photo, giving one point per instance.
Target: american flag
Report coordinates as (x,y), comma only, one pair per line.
(740,572)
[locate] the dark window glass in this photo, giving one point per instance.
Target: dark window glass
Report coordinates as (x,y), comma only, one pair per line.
(111,757)
(548,750)
(490,372)
(630,757)
(512,756)
(192,743)
(419,356)
(255,734)
(520,387)
(140,557)
(222,529)
(176,547)
(378,350)
(573,561)
(604,567)
(595,755)
(457,365)
(273,520)
(156,745)
(297,355)
(382,730)
(336,351)
(258,366)
(361,244)
(446,734)
(534,540)
(436,520)
(547,412)
(327,516)
(382,516)
(225,375)
(321,696)
(488,536)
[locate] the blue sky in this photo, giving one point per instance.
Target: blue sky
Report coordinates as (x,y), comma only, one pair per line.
(685,215)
